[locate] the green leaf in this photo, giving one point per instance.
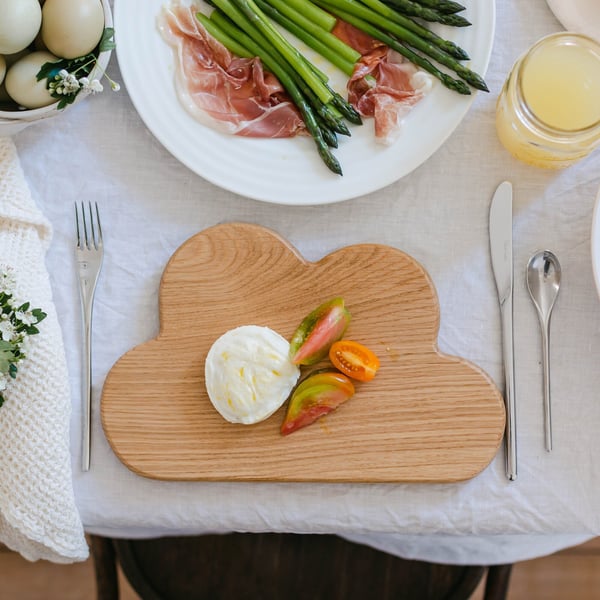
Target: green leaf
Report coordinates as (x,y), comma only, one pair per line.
(39,314)
(65,100)
(6,358)
(106,41)
(1,399)
(50,69)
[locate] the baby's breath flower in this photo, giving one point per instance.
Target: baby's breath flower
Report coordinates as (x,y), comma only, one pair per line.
(17,323)
(25,317)
(7,279)
(92,86)
(7,330)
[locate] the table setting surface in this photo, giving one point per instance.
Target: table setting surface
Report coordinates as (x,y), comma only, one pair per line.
(150,204)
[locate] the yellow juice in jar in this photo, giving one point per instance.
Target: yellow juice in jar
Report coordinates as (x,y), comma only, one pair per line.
(548,113)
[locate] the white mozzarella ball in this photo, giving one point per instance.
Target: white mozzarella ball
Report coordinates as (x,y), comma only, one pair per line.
(22,85)
(248,374)
(72,28)
(19,24)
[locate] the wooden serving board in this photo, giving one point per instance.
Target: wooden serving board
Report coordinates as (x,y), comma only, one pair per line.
(426,417)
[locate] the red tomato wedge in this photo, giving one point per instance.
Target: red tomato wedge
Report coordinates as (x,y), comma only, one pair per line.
(354,360)
(315,396)
(318,330)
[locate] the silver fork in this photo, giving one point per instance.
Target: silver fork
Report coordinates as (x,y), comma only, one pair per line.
(89,253)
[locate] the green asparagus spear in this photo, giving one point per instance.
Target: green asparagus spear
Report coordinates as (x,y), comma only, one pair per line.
(414,9)
(349,53)
(238,17)
(287,82)
(256,43)
(444,6)
(311,11)
(231,44)
(382,24)
(291,54)
(346,108)
(449,82)
(387,11)
(261,47)
(323,42)
(329,135)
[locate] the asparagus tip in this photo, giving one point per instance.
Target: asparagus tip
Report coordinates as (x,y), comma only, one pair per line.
(455,21)
(455,84)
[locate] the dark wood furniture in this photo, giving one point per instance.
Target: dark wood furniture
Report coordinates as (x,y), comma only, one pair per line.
(273,566)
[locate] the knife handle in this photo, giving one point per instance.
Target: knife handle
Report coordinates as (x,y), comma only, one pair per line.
(509,378)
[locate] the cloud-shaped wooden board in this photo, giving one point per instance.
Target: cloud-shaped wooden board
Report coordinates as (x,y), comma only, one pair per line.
(426,417)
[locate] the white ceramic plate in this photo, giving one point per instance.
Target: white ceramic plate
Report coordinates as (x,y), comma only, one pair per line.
(287,171)
(596,242)
(582,16)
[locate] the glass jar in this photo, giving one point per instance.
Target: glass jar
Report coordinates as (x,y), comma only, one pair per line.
(548,112)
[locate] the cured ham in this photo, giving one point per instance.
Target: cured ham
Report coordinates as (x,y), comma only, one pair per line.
(237,96)
(383,85)
(219,89)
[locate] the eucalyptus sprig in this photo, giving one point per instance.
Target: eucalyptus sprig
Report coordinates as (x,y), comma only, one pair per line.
(68,77)
(18,321)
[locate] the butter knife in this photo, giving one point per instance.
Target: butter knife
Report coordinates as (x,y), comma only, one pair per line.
(502,263)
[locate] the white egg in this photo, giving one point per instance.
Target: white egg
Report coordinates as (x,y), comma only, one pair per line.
(20,22)
(248,374)
(2,68)
(22,85)
(72,28)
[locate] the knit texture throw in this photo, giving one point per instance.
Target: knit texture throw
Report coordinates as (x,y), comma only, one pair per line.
(38,515)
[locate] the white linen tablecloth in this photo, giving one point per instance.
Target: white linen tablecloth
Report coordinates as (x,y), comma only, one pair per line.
(150,204)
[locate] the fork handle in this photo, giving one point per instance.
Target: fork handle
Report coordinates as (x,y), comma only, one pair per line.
(87,388)
(87,300)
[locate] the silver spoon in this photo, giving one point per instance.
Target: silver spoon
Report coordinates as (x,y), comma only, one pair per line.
(543,282)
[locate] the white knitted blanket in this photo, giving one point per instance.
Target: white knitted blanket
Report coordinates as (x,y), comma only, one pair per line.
(38,516)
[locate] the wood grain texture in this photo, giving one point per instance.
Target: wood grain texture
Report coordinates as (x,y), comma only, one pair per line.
(426,417)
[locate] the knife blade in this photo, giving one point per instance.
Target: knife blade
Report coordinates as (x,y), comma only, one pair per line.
(501,250)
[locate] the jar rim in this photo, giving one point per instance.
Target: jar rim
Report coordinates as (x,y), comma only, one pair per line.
(539,123)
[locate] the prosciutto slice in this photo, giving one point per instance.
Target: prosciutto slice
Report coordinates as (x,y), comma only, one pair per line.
(219,89)
(383,85)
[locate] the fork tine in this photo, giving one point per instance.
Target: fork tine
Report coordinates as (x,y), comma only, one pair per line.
(85,228)
(92,228)
(99,227)
(77,226)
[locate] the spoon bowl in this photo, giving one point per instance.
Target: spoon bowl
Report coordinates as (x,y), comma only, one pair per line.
(543,282)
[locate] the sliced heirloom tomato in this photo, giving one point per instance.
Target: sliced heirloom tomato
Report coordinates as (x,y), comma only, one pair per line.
(318,330)
(354,359)
(317,395)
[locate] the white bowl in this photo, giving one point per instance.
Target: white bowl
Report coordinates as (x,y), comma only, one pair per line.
(13,121)
(581,16)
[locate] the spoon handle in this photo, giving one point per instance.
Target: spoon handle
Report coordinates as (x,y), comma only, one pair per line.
(546,368)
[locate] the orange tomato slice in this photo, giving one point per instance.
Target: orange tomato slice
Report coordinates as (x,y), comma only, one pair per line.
(354,360)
